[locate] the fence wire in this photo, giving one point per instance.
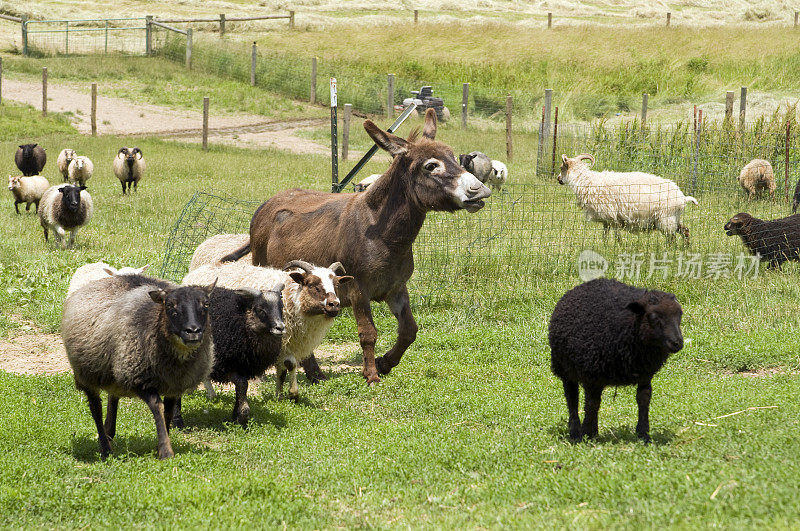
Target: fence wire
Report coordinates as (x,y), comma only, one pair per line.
(90,36)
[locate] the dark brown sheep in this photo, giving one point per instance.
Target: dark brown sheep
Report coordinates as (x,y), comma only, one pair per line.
(30,159)
(775,240)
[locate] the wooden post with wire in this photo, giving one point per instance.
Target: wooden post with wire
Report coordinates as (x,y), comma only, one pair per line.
(509,139)
(549,20)
(416,17)
(390,95)
(94,109)
(313,98)
(742,108)
(464,104)
(253,57)
(205,123)
(44,91)
(555,139)
(669,18)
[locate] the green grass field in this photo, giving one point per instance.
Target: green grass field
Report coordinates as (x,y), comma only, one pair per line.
(468,431)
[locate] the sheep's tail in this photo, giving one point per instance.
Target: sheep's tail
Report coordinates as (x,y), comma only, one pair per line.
(237,254)
(690,199)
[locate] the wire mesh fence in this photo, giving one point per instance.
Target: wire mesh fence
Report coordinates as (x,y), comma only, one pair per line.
(90,36)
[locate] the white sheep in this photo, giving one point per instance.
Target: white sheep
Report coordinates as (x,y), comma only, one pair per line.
(757,175)
(88,273)
(65,207)
(366,182)
(27,190)
(309,304)
(64,158)
(80,170)
(211,250)
(129,167)
(630,200)
(499,175)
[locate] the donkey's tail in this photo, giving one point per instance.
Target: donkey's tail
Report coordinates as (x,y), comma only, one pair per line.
(237,254)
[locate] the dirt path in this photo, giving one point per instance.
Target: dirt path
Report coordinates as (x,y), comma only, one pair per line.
(117,116)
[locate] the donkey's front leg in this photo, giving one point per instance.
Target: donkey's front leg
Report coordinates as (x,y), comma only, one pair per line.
(367,335)
(406,331)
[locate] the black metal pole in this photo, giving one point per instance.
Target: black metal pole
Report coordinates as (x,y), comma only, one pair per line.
(334,143)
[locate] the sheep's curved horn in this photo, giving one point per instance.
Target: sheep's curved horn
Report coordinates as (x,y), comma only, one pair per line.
(139,151)
(337,268)
(122,150)
(586,156)
(305,266)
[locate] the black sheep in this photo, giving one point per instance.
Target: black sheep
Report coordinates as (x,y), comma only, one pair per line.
(30,159)
(796,199)
(776,240)
(606,333)
(247,327)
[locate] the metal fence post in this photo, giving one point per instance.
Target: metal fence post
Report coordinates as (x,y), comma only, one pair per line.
(105,47)
(509,139)
(148,35)
(645,97)
(66,37)
(334,134)
(94,109)
(313,98)
(742,109)
(464,104)
(205,123)
(253,58)
(44,91)
(390,96)
(348,111)
(24,26)
(221,25)
(189,48)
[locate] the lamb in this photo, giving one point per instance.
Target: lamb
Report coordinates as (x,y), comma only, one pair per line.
(80,170)
(95,271)
(247,327)
(606,333)
(757,175)
(62,162)
(309,304)
(129,167)
(366,182)
(30,159)
(630,200)
(27,190)
(211,250)
(498,176)
(131,335)
(65,207)
(478,164)
(775,241)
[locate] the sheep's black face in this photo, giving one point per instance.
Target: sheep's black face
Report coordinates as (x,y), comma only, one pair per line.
(266,310)
(186,309)
(737,224)
(71,197)
(27,150)
(660,325)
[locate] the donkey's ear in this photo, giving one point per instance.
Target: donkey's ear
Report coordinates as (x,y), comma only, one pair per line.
(385,140)
(429,130)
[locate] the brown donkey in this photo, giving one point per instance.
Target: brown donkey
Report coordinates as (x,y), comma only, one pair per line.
(370,233)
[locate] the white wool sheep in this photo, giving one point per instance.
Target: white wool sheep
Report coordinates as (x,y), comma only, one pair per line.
(757,175)
(88,273)
(629,200)
(211,250)
(64,158)
(65,207)
(27,190)
(366,182)
(499,175)
(309,305)
(80,170)
(129,167)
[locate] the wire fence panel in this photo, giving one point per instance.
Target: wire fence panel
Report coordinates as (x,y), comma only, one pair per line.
(90,36)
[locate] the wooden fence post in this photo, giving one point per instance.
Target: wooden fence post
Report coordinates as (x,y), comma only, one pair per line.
(44,91)
(148,35)
(669,16)
(313,98)
(253,57)
(549,20)
(416,17)
(221,25)
(205,123)
(645,96)
(796,13)
(509,139)
(390,96)
(189,48)
(742,108)
(1,80)
(464,104)
(729,96)
(94,109)
(555,139)
(544,130)
(291,19)
(348,111)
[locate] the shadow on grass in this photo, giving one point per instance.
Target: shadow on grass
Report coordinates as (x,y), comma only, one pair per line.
(615,435)
(87,449)
(216,413)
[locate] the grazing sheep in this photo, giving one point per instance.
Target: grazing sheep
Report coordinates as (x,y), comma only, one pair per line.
(62,162)
(211,250)
(95,271)
(366,182)
(131,335)
(499,175)
(247,327)
(757,175)
(65,207)
(80,170)
(796,198)
(27,190)
(631,200)
(129,167)
(478,164)
(775,241)
(30,159)
(606,333)
(309,304)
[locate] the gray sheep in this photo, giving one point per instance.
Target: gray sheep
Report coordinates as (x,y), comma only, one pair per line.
(606,333)
(65,207)
(30,159)
(478,164)
(134,336)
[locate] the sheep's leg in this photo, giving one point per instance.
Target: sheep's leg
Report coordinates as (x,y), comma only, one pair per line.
(46,234)
(177,416)
(111,416)
(210,392)
(27,207)
(574,424)
(313,370)
(170,406)
(61,235)
(96,409)
(683,230)
(72,237)
(606,228)
(123,187)
(291,365)
(241,409)
(156,406)
(591,407)
(643,394)
(16,206)
(36,210)
(280,378)
(406,331)
(367,335)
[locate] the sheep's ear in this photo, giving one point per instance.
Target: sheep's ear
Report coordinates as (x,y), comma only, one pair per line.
(110,270)
(143,268)
(34,145)
(636,307)
(83,187)
(385,140)
(564,158)
(210,289)
(429,129)
(278,288)
(248,296)
(297,277)
(22,147)
(158,295)
(344,279)
(62,190)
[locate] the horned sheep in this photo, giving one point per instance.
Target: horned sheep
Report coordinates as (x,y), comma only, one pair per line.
(309,304)
(65,207)
(134,336)
(80,170)
(757,175)
(606,333)
(95,271)
(629,200)
(30,159)
(129,167)
(27,190)
(62,162)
